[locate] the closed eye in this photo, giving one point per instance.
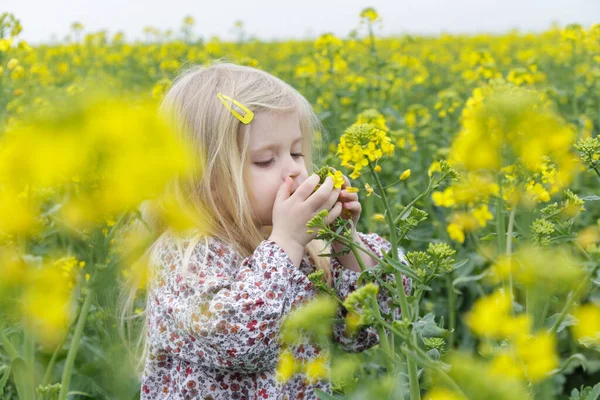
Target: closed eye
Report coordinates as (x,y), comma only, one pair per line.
(265,164)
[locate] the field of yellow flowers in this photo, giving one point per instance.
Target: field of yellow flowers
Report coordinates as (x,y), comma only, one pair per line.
(477,154)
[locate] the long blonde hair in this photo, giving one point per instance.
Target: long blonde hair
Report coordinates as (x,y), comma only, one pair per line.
(216,189)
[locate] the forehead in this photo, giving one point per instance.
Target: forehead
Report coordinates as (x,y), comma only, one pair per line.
(270,129)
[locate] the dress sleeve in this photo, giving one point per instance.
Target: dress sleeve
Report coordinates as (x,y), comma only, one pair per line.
(345,281)
(224,312)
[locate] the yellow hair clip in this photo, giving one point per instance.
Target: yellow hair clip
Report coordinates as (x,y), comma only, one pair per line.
(246,118)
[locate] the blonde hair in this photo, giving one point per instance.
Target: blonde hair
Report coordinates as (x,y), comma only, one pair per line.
(216,190)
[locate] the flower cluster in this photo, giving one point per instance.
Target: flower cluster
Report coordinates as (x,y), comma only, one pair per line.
(361,144)
(529,355)
(324,172)
(359,303)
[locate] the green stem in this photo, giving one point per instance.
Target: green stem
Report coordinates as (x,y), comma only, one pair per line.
(509,236)
(29,356)
(66,377)
(353,245)
(413,377)
(573,296)
(451,310)
(48,373)
(412,203)
(383,339)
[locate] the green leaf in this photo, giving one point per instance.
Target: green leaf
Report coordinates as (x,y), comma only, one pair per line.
(594,393)
(488,237)
(80,394)
(470,278)
(426,327)
(5,374)
(21,379)
(591,198)
(569,320)
(566,367)
(459,264)
(404,269)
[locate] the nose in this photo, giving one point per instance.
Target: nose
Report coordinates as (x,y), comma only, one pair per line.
(293,170)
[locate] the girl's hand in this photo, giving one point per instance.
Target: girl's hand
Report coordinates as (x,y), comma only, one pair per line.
(351,208)
(291,212)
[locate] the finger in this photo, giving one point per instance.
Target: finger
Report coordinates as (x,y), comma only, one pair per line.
(333,213)
(283,193)
(317,199)
(333,198)
(353,206)
(346,182)
(306,187)
(345,196)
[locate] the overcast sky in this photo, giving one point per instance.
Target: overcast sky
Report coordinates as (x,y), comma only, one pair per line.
(281,19)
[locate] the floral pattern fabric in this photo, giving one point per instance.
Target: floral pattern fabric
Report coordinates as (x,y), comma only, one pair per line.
(212,330)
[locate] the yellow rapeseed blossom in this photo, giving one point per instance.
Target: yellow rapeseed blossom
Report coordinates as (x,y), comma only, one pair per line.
(482,214)
(405,175)
(588,324)
(456,232)
(317,368)
(120,154)
(442,394)
(547,269)
(361,144)
(287,366)
(539,356)
(506,365)
(378,217)
(12,64)
(491,317)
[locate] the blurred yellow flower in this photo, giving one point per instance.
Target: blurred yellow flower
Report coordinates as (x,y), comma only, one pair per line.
(405,175)
(588,324)
(317,368)
(286,366)
(538,353)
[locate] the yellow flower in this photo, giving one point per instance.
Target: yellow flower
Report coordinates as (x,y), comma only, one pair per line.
(505,365)
(377,168)
(378,217)
(18,73)
(442,394)
(12,64)
(369,14)
(489,314)
(353,322)
(316,369)
(588,325)
(338,179)
(539,355)
(445,198)
(405,175)
(351,189)
(362,144)
(369,189)
(456,232)
(482,214)
(286,366)
(434,167)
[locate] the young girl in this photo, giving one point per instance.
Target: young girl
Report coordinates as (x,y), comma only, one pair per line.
(218,297)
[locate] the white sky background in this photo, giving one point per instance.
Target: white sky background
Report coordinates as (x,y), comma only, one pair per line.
(44,20)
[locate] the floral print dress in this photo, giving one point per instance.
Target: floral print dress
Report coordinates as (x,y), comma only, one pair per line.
(212,333)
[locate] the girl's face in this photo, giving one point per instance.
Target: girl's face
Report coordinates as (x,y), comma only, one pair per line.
(274,152)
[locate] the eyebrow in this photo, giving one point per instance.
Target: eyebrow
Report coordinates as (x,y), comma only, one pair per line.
(274,146)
